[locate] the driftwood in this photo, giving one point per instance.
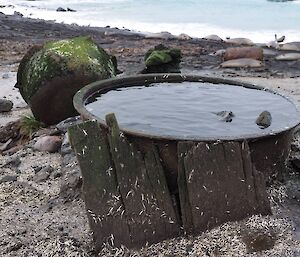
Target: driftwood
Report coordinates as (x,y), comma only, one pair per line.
(126,191)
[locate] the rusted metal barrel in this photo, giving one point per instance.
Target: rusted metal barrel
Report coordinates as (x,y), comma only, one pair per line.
(238,189)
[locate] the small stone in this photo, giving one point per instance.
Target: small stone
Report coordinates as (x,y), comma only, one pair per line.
(12,162)
(48,144)
(225,115)
(5,105)
(264,120)
(48,169)
(8,178)
(57,174)
(14,247)
(70,10)
(41,177)
(65,146)
(70,187)
(37,168)
(60,9)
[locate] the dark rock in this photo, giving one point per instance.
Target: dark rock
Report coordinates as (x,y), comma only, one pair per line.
(162,59)
(48,144)
(8,178)
(70,187)
(5,105)
(56,71)
(12,162)
(41,176)
(37,168)
(10,130)
(14,247)
(57,174)
(264,120)
(60,9)
(70,10)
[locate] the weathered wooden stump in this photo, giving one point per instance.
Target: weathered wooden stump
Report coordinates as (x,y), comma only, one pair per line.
(129,197)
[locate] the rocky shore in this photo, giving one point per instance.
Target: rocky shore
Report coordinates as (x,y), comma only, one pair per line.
(41,211)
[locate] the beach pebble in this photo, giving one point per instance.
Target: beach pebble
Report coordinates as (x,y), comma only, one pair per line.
(48,144)
(70,187)
(225,115)
(5,105)
(264,120)
(232,53)
(240,41)
(41,177)
(242,63)
(288,57)
(8,178)
(213,37)
(293,46)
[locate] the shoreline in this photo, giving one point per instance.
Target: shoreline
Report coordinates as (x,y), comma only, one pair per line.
(41,212)
(71,16)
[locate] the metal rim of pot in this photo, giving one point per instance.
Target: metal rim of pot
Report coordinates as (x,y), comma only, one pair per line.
(103,86)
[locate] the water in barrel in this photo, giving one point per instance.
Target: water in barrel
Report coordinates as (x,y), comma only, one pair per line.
(196,110)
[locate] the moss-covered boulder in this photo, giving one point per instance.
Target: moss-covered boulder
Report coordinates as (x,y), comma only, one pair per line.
(50,75)
(162,59)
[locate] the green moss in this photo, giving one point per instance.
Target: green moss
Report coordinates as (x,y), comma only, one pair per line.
(158,58)
(160,55)
(77,55)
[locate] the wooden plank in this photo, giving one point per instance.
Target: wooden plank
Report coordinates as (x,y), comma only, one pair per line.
(100,190)
(217,179)
(150,219)
(256,184)
(185,207)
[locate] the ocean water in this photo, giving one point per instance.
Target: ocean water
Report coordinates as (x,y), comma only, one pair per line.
(258,20)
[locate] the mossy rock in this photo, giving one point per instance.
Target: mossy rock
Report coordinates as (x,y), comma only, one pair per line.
(50,75)
(162,59)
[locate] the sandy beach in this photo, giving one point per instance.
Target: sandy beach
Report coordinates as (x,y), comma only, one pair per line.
(41,211)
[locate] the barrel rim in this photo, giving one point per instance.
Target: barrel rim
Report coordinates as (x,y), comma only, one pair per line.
(86,92)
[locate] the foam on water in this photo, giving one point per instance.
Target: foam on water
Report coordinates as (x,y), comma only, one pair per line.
(189,110)
(258,20)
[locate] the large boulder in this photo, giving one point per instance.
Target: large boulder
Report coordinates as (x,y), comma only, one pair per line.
(50,75)
(232,53)
(162,59)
